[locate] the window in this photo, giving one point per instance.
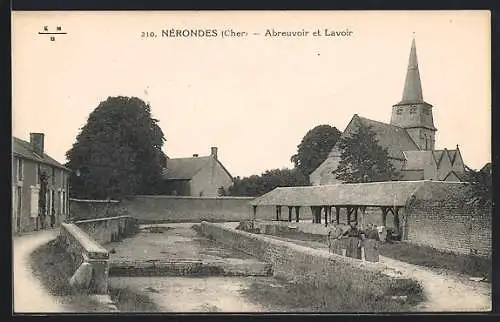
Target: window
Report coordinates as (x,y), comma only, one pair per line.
(399,110)
(19,169)
(53,176)
(413,110)
(38,172)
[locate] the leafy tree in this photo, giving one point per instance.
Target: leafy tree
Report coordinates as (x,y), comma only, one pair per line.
(314,148)
(257,185)
(117,152)
(363,159)
(480,185)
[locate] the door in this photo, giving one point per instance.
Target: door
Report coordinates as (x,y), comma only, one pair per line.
(19,198)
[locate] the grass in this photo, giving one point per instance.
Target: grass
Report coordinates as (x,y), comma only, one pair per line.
(51,264)
(342,297)
(470,265)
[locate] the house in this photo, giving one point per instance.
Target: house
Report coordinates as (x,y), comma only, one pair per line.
(409,138)
(39,186)
(199,176)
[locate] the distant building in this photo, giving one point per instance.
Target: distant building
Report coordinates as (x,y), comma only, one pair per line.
(35,173)
(196,176)
(409,138)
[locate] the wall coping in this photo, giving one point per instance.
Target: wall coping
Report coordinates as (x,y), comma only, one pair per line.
(92,248)
(190,197)
(102,219)
(93,201)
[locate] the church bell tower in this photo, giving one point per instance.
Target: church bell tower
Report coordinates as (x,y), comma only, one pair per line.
(412,113)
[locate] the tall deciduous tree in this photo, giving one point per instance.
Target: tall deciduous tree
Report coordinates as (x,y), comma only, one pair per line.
(363,159)
(480,185)
(118,151)
(314,148)
(257,185)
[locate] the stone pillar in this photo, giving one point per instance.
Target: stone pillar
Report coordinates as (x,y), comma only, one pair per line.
(100,274)
(313,212)
(290,213)
(297,213)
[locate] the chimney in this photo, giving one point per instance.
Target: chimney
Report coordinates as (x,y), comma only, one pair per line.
(36,141)
(214,152)
(195,155)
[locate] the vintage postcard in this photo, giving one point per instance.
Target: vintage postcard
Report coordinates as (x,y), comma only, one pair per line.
(232,161)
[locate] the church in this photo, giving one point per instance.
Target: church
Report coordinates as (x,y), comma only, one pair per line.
(409,138)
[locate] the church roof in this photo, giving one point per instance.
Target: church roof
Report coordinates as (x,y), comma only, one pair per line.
(417,160)
(412,91)
(392,137)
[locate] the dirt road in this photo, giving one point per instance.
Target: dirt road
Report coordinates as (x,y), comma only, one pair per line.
(29,293)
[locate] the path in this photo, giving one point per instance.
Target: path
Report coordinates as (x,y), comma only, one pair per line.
(29,293)
(444,290)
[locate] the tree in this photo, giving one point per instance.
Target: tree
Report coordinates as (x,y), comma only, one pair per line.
(363,159)
(314,148)
(256,185)
(117,152)
(480,185)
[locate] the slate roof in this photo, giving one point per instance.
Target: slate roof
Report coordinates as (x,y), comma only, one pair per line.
(391,193)
(392,137)
(184,168)
(416,160)
(23,149)
(187,168)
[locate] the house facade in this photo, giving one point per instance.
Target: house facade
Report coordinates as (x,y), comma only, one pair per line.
(39,186)
(409,138)
(196,176)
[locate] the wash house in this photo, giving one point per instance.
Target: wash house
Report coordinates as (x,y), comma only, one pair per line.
(347,203)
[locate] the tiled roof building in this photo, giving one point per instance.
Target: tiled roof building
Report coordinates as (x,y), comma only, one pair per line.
(409,138)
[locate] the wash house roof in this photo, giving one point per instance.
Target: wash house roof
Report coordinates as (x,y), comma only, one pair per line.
(375,194)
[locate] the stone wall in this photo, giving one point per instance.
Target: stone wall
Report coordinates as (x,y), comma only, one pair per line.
(106,230)
(92,209)
(195,209)
(84,249)
(295,262)
(450,225)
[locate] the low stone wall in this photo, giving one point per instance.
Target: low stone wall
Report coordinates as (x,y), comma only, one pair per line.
(272,228)
(83,249)
(157,209)
(80,209)
(292,261)
(107,230)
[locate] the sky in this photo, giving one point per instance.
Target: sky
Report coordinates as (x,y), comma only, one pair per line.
(255,96)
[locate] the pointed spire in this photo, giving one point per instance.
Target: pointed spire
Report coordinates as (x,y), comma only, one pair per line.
(412,92)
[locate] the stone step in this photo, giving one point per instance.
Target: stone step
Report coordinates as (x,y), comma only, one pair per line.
(232,267)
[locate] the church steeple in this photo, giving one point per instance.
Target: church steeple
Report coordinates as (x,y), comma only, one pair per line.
(412,92)
(412,112)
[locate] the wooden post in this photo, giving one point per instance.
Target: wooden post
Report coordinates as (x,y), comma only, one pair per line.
(326,215)
(254,212)
(396,221)
(289,213)
(337,214)
(356,215)
(385,210)
(362,218)
(277,213)
(297,213)
(348,215)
